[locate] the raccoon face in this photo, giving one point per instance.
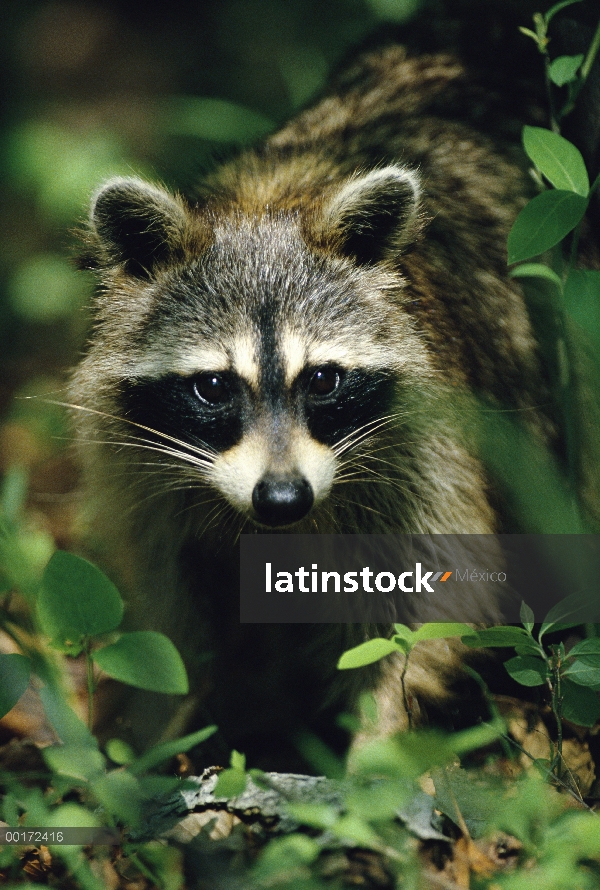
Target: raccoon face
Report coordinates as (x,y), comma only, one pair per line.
(264,349)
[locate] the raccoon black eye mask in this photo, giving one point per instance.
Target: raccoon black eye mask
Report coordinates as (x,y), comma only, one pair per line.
(216,409)
(283,352)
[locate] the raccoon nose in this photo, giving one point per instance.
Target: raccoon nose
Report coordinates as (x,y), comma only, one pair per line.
(280,501)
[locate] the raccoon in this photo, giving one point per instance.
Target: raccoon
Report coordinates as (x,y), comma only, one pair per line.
(285,352)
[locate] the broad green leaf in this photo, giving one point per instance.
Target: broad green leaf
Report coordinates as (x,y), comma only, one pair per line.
(527,616)
(496,637)
(527,670)
(72,815)
(558,159)
(366,653)
(315,815)
(146,659)
(590,646)
(583,674)
(121,795)
(382,800)
(353,828)
(65,722)
(14,680)
(77,599)
(564,69)
(530,648)
(438,630)
(537,270)
(580,704)
(231,783)
(283,856)
(76,761)
(543,223)
(166,750)
(578,608)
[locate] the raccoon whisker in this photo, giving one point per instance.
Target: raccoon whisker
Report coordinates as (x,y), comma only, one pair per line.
(362,506)
(205,450)
(375,423)
(369,429)
(196,458)
(362,437)
(348,480)
(242,524)
(373,477)
(219,510)
(196,504)
(164,449)
(387,418)
(196,461)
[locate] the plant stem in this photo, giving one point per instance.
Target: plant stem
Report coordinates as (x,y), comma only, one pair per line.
(592,52)
(556,697)
(554,124)
(89,665)
(405,696)
(586,66)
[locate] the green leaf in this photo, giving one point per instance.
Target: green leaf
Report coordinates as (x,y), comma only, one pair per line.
(76,761)
(527,670)
(119,752)
(357,830)
(564,69)
(284,856)
(558,159)
(527,617)
(537,270)
(543,223)
(145,659)
(366,653)
(77,599)
(438,630)
(580,704)
(404,632)
(578,608)
(65,722)
(14,680)
(530,648)
(166,750)
(121,795)
(315,815)
(583,674)
(497,637)
(231,783)
(590,646)
(237,760)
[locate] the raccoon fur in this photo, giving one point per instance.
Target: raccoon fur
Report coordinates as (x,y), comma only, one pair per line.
(286,352)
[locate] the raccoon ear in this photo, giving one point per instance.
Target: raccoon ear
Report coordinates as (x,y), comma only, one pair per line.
(136,224)
(373,213)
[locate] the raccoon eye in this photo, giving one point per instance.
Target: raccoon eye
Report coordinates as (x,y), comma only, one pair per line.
(324,382)
(211,389)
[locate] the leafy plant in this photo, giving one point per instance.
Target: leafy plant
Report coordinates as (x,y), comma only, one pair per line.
(76,606)
(403,642)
